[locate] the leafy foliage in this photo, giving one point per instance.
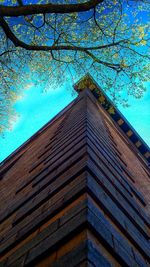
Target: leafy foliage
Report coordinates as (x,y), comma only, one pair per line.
(44,42)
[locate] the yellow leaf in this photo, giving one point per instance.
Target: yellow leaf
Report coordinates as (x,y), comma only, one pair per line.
(111,110)
(102,99)
(116,55)
(91,87)
(143,42)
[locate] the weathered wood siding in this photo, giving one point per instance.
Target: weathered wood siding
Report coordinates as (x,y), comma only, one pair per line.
(71,196)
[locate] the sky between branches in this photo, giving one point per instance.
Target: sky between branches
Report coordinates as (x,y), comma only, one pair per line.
(111,41)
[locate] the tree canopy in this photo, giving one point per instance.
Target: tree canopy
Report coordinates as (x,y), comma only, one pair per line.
(45,42)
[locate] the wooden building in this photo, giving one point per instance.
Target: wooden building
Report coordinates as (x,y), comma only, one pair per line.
(78,192)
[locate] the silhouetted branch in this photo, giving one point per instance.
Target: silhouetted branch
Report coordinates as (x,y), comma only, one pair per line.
(15,11)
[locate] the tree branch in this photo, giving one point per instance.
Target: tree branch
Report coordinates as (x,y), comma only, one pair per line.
(20,3)
(5,52)
(19,43)
(113,66)
(15,11)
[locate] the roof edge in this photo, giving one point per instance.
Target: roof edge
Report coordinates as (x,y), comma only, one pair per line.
(88,82)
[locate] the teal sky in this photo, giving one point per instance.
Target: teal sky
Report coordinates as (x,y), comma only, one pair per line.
(36,108)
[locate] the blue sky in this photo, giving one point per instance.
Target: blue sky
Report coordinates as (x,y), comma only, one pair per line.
(36,108)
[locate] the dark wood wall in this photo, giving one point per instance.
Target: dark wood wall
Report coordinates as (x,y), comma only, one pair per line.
(68,196)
